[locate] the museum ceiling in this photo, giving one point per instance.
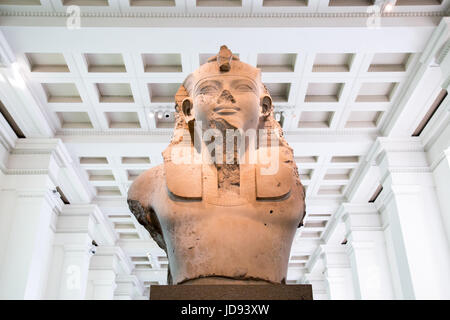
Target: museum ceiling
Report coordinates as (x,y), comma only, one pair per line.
(107,89)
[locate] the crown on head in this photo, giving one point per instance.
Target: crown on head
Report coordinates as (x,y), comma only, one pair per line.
(224,63)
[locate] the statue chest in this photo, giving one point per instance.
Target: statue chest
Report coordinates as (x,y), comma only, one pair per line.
(210,232)
(192,199)
(200,183)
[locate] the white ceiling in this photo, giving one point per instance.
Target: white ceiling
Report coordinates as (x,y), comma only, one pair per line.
(104,87)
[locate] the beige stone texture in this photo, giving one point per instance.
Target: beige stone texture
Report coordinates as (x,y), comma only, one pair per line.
(227,222)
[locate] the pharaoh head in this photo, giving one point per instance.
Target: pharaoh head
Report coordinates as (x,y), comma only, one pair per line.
(225,93)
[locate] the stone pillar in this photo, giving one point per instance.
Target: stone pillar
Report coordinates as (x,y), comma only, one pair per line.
(367,252)
(72,252)
(27,217)
(416,241)
(319,285)
(128,288)
(107,263)
(441,175)
(29,210)
(337,272)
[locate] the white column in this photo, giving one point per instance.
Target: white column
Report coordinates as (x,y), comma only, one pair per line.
(436,140)
(72,252)
(441,175)
(27,218)
(128,288)
(319,285)
(29,207)
(416,240)
(367,252)
(337,272)
(107,263)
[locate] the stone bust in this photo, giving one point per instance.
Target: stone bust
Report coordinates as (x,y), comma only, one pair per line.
(220,217)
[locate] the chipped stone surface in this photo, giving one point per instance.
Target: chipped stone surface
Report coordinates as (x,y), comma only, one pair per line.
(222,222)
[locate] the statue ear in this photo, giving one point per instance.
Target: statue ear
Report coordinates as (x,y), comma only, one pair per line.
(187,108)
(266,105)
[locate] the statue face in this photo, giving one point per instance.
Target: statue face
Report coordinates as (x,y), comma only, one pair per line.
(229,100)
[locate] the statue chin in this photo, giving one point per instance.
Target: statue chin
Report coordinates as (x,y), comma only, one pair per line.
(223,123)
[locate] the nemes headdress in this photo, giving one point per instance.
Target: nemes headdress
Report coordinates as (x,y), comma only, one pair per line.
(223,64)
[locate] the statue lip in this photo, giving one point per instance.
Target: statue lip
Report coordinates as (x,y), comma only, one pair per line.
(226,109)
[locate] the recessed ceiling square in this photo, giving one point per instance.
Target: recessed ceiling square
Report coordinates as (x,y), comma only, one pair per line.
(100,175)
(315,224)
(389,62)
(315,119)
(133,174)
(376,92)
(363,119)
(350,3)
(78,120)
(123,119)
(162,62)
(20,2)
(306,234)
(219,3)
(47,62)
(126,227)
(135,160)
(140,259)
(285,3)
(345,159)
(115,92)
(163,92)
(418,2)
(108,191)
(152,3)
(305,174)
(332,62)
(62,92)
(338,174)
(304,258)
(323,92)
(279,91)
(105,62)
(330,190)
(133,235)
(297,265)
(93,160)
(276,62)
(305,159)
(86,3)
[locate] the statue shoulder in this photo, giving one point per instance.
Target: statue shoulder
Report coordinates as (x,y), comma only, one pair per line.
(140,197)
(145,185)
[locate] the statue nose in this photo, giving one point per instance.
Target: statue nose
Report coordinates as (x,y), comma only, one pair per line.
(227,96)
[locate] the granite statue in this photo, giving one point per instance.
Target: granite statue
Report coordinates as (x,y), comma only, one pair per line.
(227,201)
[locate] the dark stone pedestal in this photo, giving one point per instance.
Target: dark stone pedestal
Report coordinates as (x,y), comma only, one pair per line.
(231,292)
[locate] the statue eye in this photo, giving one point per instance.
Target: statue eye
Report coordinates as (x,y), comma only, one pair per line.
(244,88)
(208,89)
